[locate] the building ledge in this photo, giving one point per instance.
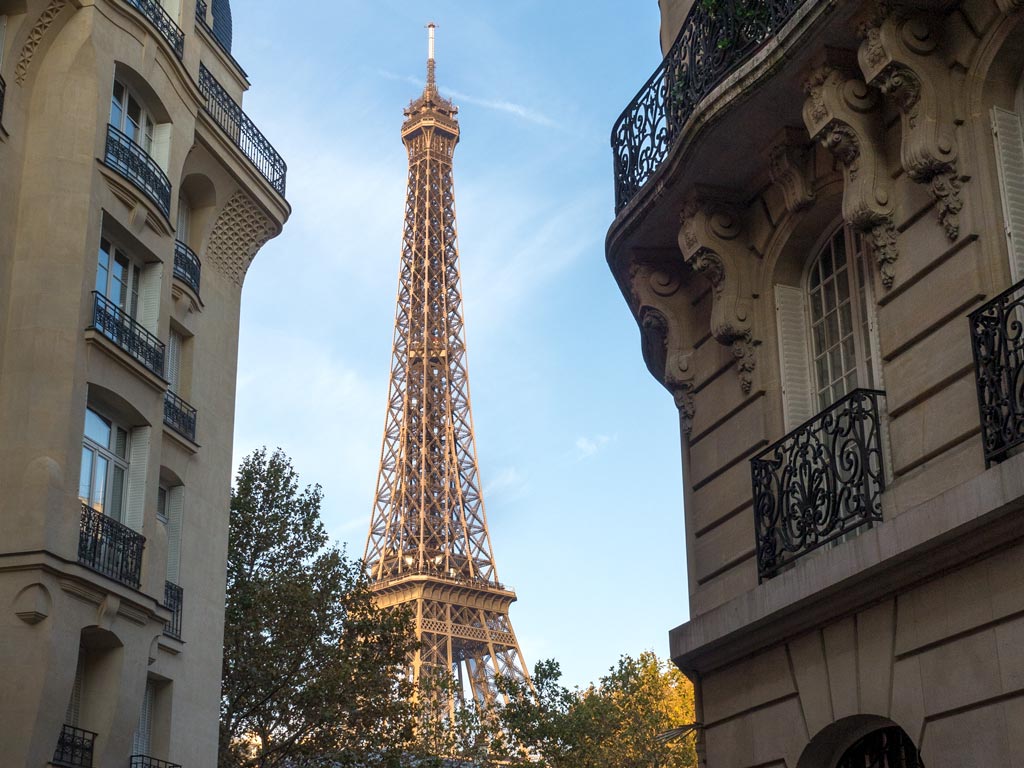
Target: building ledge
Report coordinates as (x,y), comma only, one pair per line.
(915,546)
(189,445)
(101,342)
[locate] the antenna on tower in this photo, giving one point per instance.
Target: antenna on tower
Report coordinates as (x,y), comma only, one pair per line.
(430,55)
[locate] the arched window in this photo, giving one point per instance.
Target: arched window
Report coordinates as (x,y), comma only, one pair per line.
(826,325)
(840,304)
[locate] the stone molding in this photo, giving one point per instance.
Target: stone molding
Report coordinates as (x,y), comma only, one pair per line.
(842,112)
(35,37)
(713,242)
(898,56)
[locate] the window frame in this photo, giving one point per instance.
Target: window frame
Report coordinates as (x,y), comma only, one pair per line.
(145,126)
(93,449)
(131,286)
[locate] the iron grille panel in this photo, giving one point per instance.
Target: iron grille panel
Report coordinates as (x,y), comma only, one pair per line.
(163,23)
(187,266)
(132,161)
(180,416)
(109,547)
(74,748)
(997,337)
(174,600)
(226,112)
(885,748)
(716,37)
(145,761)
(122,329)
(822,480)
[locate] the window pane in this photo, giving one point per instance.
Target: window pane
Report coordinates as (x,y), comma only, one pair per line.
(99,484)
(97,428)
(85,476)
(121,443)
(116,106)
(116,493)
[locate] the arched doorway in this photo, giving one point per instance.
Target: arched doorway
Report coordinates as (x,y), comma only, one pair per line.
(884,748)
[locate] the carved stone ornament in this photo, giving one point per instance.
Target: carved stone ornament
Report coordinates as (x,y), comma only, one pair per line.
(713,243)
(789,169)
(843,114)
(239,233)
(668,359)
(898,57)
(1010,6)
(35,38)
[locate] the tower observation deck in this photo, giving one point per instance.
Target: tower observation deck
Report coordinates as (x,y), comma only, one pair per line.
(428,545)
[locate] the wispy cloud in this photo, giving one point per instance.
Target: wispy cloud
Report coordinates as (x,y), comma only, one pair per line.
(590,446)
(509,481)
(496,105)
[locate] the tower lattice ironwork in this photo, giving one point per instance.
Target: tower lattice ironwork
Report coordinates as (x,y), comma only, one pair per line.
(428,545)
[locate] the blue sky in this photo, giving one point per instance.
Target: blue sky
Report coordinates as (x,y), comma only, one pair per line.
(578,445)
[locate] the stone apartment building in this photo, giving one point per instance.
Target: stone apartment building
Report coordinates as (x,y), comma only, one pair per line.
(134,193)
(820,231)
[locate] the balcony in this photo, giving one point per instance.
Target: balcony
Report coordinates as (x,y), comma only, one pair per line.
(821,481)
(74,748)
(113,322)
(180,416)
(242,131)
(997,336)
(186,265)
(174,598)
(145,761)
(131,161)
(717,36)
(163,23)
(109,547)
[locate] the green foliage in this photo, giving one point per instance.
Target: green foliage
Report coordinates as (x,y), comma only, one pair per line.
(313,671)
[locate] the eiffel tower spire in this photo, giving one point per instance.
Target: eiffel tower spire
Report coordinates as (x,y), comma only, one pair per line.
(428,545)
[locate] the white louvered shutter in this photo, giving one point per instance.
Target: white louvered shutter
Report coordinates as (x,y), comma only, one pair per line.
(173,365)
(1009,136)
(175,515)
(71,717)
(138,458)
(149,296)
(794,356)
(143,733)
(184,220)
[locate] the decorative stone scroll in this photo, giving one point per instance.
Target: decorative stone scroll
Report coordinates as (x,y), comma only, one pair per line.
(789,168)
(713,243)
(843,114)
(898,56)
(239,233)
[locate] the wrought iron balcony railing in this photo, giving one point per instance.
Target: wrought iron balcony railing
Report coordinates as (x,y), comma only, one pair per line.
(716,37)
(997,336)
(74,748)
(132,161)
(242,131)
(822,480)
(163,23)
(174,599)
(179,416)
(122,329)
(186,265)
(3,97)
(109,547)
(145,761)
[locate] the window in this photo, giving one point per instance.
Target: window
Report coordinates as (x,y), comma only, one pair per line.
(129,117)
(161,504)
(184,220)
(142,740)
(103,475)
(117,278)
(173,366)
(839,300)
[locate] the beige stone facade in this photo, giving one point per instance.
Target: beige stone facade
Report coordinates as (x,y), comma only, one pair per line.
(803,232)
(134,192)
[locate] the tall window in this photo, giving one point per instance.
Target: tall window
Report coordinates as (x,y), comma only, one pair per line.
(143,737)
(102,479)
(117,278)
(129,117)
(840,307)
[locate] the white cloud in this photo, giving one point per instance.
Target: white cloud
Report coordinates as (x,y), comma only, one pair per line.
(590,446)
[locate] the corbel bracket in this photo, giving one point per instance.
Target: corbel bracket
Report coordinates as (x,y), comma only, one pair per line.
(842,113)
(714,244)
(898,56)
(789,168)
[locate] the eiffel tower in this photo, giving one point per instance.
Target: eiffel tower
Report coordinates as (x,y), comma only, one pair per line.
(428,546)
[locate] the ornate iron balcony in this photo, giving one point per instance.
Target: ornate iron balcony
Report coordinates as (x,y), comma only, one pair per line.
(174,598)
(997,336)
(717,36)
(145,761)
(179,416)
(131,161)
(187,267)
(122,329)
(74,748)
(822,480)
(109,547)
(242,131)
(163,23)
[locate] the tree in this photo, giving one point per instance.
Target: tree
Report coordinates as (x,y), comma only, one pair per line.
(313,671)
(614,724)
